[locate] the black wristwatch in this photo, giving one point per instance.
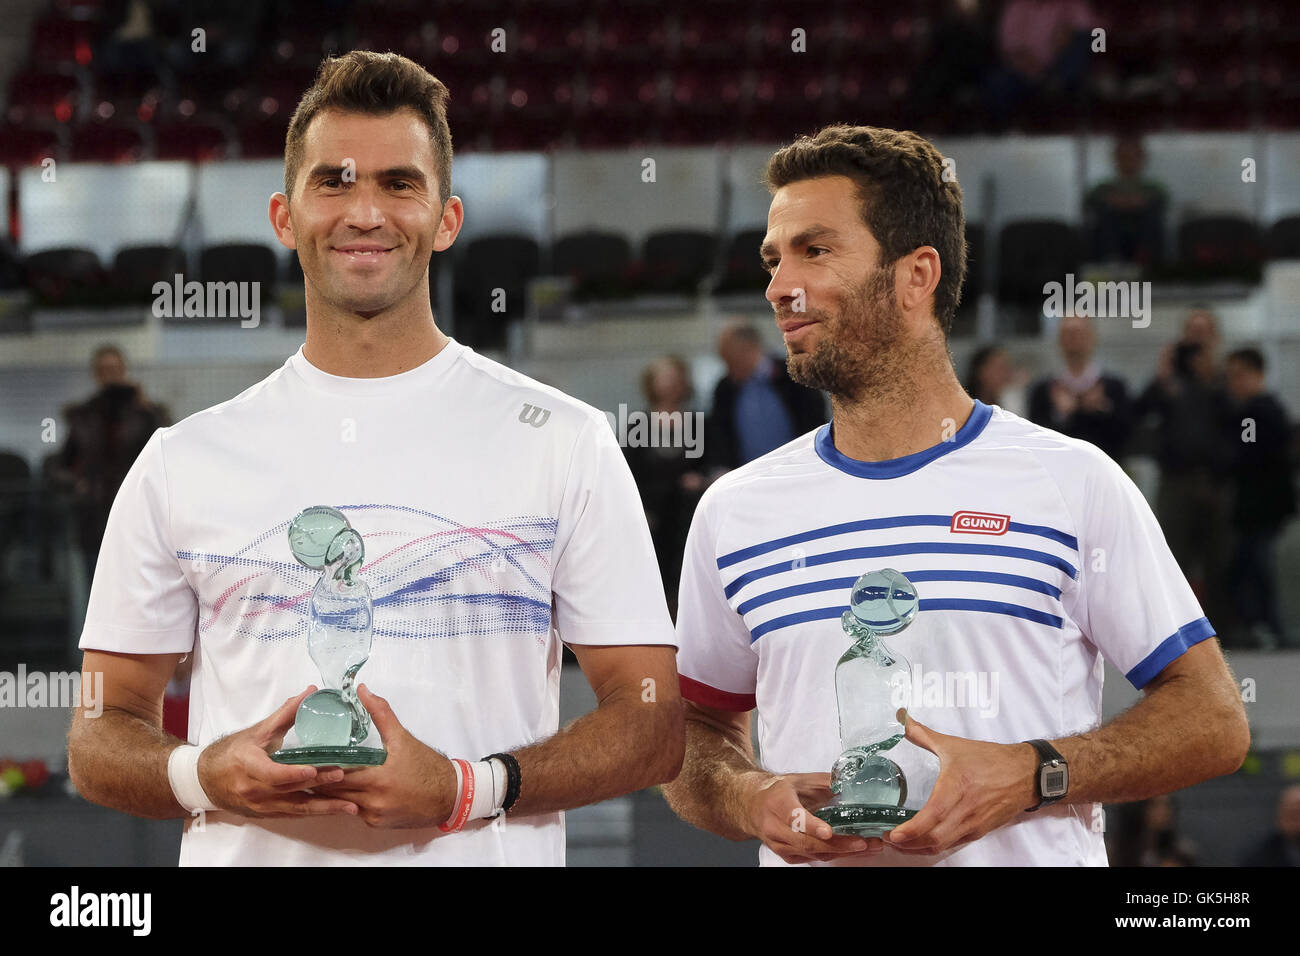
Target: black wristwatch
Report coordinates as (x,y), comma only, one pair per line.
(1053,774)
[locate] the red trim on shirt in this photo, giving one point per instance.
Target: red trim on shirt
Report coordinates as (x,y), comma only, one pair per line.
(693,690)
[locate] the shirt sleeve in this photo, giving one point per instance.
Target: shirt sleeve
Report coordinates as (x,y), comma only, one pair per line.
(140,600)
(606,585)
(715,660)
(1135,604)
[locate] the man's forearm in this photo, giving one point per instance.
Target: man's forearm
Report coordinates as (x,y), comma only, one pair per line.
(624,745)
(1174,737)
(119,760)
(717,776)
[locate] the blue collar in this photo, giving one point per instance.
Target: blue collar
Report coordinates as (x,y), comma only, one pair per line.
(897,467)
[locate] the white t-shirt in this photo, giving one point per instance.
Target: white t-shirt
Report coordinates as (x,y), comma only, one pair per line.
(1057,562)
(499,519)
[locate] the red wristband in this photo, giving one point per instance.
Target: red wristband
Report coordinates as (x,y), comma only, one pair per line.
(461,815)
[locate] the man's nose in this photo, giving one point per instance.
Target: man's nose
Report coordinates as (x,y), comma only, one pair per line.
(363,209)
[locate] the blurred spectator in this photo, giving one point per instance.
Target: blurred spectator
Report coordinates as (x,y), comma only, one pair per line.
(1282,847)
(670,482)
(1125,214)
(1264,494)
(961,55)
(1044,46)
(1184,411)
(756,405)
(1159,843)
(994,379)
(105,435)
(130,44)
(1082,401)
(234,33)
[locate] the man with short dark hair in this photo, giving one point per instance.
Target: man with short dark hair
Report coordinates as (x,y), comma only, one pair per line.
(1264,496)
(498,517)
(865,246)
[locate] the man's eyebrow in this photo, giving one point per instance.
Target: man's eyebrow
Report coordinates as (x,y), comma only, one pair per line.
(811,234)
(325,170)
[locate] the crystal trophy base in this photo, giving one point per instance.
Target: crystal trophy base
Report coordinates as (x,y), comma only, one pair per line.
(863,820)
(332,730)
(332,756)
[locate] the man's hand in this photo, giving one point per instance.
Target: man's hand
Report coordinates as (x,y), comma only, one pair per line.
(238,774)
(981,787)
(780,813)
(1063,401)
(414,787)
(1095,400)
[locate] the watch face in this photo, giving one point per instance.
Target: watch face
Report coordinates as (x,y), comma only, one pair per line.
(1053,781)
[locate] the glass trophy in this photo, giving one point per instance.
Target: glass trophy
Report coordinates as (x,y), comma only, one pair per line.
(331,725)
(870,788)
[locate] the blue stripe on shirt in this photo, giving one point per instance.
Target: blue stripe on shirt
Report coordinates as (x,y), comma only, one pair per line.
(891,550)
(916,577)
(874,524)
(1171,648)
(932,604)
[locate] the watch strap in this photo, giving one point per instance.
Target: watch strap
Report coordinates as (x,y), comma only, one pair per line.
(1047,754)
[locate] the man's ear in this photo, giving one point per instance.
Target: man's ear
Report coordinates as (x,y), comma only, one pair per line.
(280,222)
(453,217)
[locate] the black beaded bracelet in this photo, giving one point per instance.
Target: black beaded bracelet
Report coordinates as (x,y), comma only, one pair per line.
(513,779)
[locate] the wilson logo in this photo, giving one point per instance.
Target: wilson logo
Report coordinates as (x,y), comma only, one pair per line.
(980,522)
(534,415)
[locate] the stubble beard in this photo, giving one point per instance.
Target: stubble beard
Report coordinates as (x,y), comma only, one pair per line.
(862,356)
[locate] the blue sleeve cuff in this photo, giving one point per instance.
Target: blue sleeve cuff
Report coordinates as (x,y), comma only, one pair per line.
(1172,647)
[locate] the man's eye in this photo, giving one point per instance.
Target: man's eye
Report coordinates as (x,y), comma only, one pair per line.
(769,264)
(403,183)
(330,183)
(812,249)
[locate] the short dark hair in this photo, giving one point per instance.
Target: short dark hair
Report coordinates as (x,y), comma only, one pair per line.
(904,198)
(1249,356)
(108,348)
(378,84)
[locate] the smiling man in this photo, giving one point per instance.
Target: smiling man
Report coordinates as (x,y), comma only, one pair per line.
(498,517)
(865,245)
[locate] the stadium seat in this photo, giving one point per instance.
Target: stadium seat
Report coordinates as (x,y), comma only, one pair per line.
(194,140)
(1220,246)
(240,262)
(600,264)
(676,260)
(116,142)
(67,276)
(43,94)
(743,271)
(505,262)
(60,41)
(137,268)
(1283,240)
(1032,252)
(29,144)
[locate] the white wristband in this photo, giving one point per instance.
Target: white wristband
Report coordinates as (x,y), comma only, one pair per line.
(183,775)
(490,794)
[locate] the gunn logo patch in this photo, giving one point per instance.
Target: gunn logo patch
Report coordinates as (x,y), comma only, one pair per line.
(980,522)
